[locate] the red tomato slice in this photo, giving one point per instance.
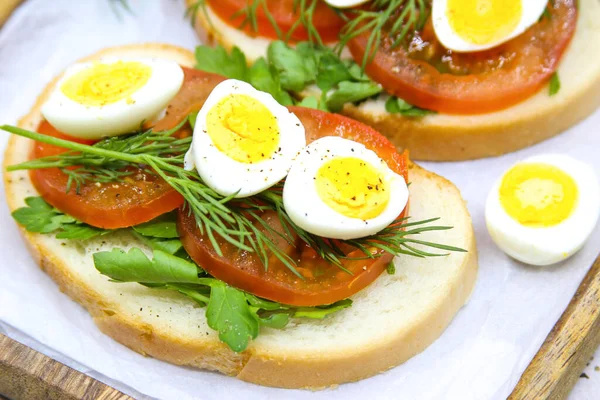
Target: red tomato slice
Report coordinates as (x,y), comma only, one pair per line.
(285,15)
(438,79)
(323,282)
(142,196)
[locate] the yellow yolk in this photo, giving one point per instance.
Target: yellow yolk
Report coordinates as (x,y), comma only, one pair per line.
(104,84)
(483,21)
(538,195)
(352,187)
(243,128)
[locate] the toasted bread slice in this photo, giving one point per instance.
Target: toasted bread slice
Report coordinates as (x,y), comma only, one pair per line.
(444,137)
(390,321)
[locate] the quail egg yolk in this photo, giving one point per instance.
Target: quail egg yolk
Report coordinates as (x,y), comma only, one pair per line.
(243,129)
(483,21)
(103,84)
(538,195)
(352,187)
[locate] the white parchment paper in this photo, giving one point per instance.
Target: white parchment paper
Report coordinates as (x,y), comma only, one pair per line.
(480,356)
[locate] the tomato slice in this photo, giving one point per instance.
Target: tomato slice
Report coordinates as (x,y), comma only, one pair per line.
(141,196)
(327,22)
(323,282)
(427,75)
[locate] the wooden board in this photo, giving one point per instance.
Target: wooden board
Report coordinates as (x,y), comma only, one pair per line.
(29,375)
(557,365)
(6,8)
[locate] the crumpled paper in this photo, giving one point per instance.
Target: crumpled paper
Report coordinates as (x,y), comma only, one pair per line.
(480,356)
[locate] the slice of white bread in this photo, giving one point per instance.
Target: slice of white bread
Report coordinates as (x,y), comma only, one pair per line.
(390,321)
(444,137)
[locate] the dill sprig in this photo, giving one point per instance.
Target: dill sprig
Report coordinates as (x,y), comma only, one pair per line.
(305,10)
(236,221)
(406,15)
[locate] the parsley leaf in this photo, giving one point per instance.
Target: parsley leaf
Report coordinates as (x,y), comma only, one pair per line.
(218,61)
(554,85)
(293,73)
(351,92)
(262,78)
(331,72)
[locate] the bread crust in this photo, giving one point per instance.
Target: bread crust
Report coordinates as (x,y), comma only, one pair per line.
(263,362)
(443,137)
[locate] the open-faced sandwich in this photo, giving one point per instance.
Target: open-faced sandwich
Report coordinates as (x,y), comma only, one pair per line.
(447,79)
(201,222)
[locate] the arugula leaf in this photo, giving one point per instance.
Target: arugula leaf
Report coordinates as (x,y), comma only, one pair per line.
(163,226)
(262,78)
(228,313)
(80,231)
(218,61)
(236,315)
(271,320)
(395,105)
(134,266)
(351,92)
(293,73)
(170,246)
(200,295)
(321,312)
(41,217)
(554,86)
(38,216)
(264,304)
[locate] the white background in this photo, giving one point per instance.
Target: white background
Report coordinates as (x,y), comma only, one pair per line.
(480,356)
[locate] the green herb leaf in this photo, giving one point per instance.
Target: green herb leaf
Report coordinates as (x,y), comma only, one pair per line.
(309,102)
(351,92)
(395,105)
(554,86)
(41,217)
(229,314)
(331,72)
(321,312)
(271,320)
(170,246)
(134,266)
(163,226)
(38,216)
(200,295)
(262,78)
(218,61)
(264,304)
(293,73)
(80,232)
(391,268)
